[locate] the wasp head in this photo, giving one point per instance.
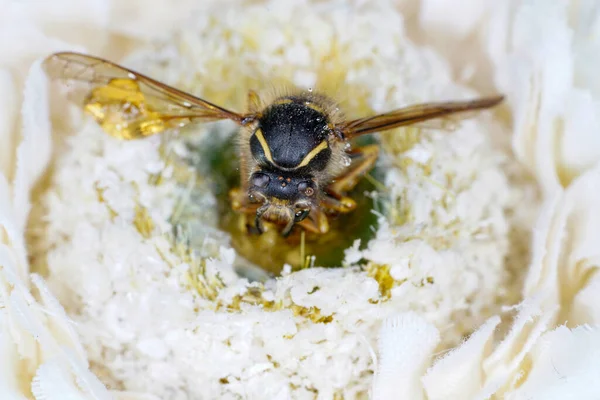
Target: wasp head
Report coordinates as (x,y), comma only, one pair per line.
(286,198)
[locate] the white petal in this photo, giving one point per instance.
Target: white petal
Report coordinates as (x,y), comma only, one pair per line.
(502,366)
(565,365)
(406,344)
(33,153)
(458,375)
(10,381)
(8,120)
(565,246)
(59,323)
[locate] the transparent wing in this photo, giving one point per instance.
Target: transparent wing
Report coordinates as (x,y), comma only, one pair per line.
(127,104)
(443,115)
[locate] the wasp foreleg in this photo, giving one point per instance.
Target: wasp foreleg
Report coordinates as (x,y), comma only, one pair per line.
(316,222)
(336,204)
(363,160)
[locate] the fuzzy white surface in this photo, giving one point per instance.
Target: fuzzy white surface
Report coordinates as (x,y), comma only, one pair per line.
(128,312)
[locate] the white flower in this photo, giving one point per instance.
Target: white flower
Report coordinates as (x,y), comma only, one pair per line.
(157,319)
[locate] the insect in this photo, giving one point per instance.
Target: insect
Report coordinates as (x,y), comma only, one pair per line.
(297,162)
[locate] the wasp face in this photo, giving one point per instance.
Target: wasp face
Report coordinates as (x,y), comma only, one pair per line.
(289,146)
(286,198)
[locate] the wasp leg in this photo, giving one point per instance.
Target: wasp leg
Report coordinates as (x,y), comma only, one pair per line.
(363,160)
(316,222)
(338,204)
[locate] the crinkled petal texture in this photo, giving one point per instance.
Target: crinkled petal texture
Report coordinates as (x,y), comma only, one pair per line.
(130,305)
(544,58)
(538,50)
(41,353)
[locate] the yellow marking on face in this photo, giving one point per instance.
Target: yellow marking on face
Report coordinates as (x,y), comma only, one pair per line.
(313,153)
(264,145)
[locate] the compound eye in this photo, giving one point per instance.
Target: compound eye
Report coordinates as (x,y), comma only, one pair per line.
(260,180)
(300,215)
(307,188)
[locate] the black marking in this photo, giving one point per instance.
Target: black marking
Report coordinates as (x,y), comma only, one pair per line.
(291,188)
(291,131)
(260,180)
(257,151)
(301,215)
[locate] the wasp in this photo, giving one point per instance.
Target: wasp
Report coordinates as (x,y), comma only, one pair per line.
(296,153)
